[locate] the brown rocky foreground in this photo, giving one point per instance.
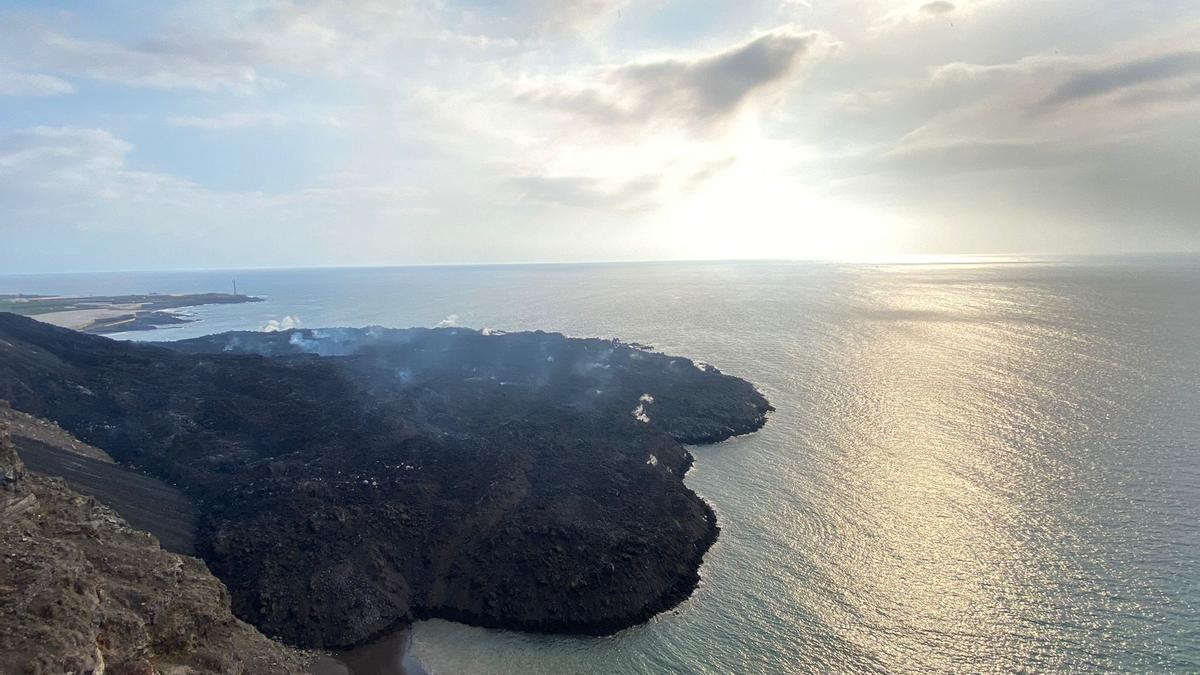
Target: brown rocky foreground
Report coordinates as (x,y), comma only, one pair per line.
(82,592)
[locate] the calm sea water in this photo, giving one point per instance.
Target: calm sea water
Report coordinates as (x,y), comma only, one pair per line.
(973,467)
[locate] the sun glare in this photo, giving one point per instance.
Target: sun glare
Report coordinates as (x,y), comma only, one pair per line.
(755,211)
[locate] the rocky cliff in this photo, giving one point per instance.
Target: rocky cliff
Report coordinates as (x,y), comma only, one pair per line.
(82,592)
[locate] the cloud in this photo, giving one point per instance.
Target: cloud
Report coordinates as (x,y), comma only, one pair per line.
(977,118)
(1098,81)
(553,17)
(621,193)
(214,47)
(653,122)
(357,188)
(588,192)
(925,13)
(1135,193)
(962,155)
(1036,96)
(174,62)
(68,163)
(229,121)
(64,174)
(332,117)
(700,93)
(32,84)
(631,137)
(937,7)
(959,72)
(1171,93)
(985,155)
(707,171)
(531,22)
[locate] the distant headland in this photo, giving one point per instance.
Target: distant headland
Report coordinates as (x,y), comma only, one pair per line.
(114,313)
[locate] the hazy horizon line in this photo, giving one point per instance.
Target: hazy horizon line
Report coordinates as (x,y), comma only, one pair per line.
(895,259)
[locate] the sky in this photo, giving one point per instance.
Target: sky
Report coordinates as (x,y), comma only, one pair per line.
(252,133)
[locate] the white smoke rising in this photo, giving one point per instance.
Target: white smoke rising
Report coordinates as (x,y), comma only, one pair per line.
(448,322)
(639,413)
(335,341)
(286,323)
(309,345)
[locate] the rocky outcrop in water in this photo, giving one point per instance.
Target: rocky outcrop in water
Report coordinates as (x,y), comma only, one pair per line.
(349,480)
(82,592)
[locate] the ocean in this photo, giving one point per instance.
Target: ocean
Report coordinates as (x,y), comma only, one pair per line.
(974,465)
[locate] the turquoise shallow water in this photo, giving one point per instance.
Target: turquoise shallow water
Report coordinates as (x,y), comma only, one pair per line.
(973,467)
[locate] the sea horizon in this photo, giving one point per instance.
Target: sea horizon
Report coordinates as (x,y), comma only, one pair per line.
(889,259)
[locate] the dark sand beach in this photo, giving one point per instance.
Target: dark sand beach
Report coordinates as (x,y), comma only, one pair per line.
(387,656)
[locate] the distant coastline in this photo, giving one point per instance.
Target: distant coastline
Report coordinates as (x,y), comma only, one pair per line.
(104,314)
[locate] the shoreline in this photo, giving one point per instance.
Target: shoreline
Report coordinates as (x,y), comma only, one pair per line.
(390,654)
(367,658)
(674,597)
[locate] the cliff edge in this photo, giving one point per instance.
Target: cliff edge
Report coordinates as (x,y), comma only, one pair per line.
(82,592)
